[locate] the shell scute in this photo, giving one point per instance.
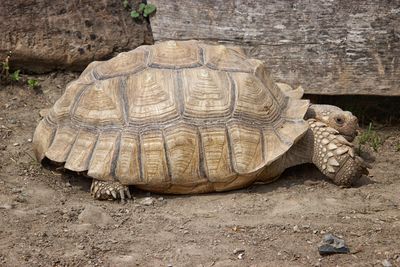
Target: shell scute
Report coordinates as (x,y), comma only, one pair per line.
(153,158)
(253,99)
(207,93)
(101,104)
(81,151)
(102,159)
(123,64)
(182,144)
(222,57)
(62,144)
(175,55)
(216,154)
(127,163)
(151,96)
(247,146)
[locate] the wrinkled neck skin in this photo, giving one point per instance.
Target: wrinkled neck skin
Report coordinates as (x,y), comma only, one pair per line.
(300,153)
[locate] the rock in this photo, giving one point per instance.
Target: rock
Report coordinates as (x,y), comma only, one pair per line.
(21,198)
(16,190)
(296,228)
(147,201)
(386,263)
(7,206)
(332,245)
(238,251)
(96,216)
(45,35)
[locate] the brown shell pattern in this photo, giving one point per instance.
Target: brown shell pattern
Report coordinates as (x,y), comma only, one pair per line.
(175,113)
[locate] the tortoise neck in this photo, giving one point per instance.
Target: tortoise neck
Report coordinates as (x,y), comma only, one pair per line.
(301,152)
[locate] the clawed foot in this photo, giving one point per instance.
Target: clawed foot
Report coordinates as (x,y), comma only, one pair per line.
(335,156)
(102,190)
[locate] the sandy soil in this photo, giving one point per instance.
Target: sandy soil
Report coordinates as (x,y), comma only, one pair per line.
(49,218)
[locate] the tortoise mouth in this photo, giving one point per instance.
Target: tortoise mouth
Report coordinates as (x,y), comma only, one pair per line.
(350,137)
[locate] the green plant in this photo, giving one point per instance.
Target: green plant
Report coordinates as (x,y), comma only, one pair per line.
(15,76)
(144,10)
(397,147)
(33,83)
(371,138)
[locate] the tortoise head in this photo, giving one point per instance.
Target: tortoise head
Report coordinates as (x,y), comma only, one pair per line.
(342,121)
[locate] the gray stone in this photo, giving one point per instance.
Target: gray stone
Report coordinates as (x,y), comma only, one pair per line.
(386,263)
(147,201)
(332,245)
(95,216)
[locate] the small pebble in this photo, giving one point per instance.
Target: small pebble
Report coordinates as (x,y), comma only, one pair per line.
(147,201)
(16,144)
(20,199)
(29,140)
(386,263)
(16,190)
(241,256)
(332,245)
(238,251)
(296,228)
(7,206)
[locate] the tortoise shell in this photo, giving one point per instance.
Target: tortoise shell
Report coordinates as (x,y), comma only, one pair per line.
(173,117)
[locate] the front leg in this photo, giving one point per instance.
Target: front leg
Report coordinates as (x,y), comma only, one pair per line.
(334,155)
(103,190)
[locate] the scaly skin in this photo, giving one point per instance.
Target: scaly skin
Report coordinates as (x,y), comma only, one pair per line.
(103,190)
(334,155)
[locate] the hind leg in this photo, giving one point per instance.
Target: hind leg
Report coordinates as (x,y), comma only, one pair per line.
(103,190)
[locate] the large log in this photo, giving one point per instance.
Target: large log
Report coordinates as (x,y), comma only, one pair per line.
(329,47)
(44,35)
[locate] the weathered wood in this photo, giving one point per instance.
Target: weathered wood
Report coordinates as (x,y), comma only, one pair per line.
(328,47)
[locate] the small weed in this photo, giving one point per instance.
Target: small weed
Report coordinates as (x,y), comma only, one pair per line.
(5,75)
(371,138)
(142,11)
(15,76)
(33,83)
(397,147)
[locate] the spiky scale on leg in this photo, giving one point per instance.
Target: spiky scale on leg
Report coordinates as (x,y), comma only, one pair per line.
(103,190)
(336,159)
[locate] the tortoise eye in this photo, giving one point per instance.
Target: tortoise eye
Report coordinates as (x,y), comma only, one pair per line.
(339,120)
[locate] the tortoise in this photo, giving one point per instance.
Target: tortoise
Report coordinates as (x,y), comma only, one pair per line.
(187,117)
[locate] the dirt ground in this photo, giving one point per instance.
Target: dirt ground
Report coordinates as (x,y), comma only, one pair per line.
(49,218)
